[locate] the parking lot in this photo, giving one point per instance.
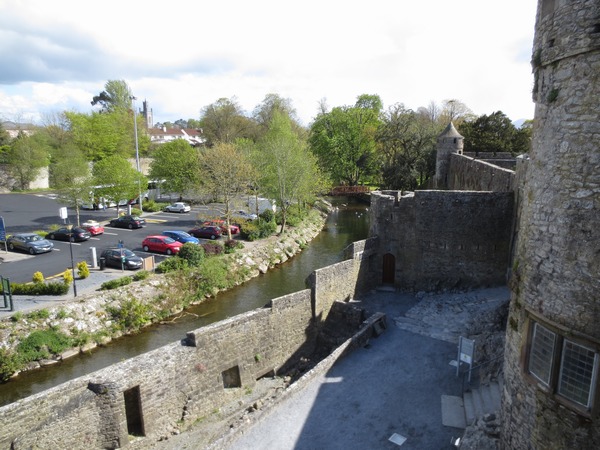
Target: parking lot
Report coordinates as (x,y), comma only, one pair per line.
(34,212)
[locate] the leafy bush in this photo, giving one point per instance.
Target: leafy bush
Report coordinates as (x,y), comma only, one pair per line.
(266,228)
(152,206)
(38,314)
(38,277)
(83,271)
(215,275)
(192,253)
(231,245)
(67,277)
(131,316)
(267,215)
(140,275)
(41,344)
(9,364)
(54,288)
(172,264)
(113,284)
(250,231)
(212,248)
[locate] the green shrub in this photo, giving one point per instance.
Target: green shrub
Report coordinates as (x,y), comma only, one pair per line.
(250,231)
(83,271)
(140,275)
(38,314)
(215,275)
(231,245)
(212,248)
(62,314)
(131,316)
(38,277)
(152,206)
(113,284)
(9,364)
(172,264)
(67,277)
(54,288)
(267,215)
(266,228)
(192,253)
(42,344)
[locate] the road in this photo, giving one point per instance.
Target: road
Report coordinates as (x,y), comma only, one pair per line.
(34,212)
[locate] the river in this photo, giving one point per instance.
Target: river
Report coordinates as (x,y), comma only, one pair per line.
(347,224)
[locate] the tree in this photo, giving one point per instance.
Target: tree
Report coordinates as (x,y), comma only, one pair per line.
(116,95)
(4,136)
(178,163)
(117,180)
(344,140)
(226,173)
(100,135)
(407,144)
(224,121)
(494,133)
(71,175)
(272,104)
(25,157)
(289,169)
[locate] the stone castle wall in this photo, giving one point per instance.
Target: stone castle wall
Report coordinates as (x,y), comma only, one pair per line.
(184,381)
(470,174)
(443,239)
(556,268)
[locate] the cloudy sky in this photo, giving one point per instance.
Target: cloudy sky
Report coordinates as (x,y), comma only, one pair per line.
(182,55)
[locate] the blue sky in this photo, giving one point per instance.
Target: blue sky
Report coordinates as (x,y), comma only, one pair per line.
(184,55)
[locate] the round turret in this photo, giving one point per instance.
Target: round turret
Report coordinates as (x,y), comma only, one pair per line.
(448,142)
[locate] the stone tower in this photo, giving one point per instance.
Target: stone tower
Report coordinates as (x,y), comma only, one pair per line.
(551,396)
(147,112)
(450,141)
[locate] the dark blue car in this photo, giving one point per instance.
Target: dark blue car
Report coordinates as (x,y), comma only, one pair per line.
(181,236)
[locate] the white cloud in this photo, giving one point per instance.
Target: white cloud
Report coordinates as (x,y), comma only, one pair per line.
(182,56)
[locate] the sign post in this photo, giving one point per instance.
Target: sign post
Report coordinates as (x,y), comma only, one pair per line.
(466,349)
(3,234)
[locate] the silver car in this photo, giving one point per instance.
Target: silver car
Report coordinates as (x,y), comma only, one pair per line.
(29,242)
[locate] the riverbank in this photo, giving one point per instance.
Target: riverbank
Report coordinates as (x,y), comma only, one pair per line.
(97,317)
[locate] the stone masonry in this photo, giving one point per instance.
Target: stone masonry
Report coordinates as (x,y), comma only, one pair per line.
(551,392)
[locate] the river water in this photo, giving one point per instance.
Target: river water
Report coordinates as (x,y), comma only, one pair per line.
(347,224)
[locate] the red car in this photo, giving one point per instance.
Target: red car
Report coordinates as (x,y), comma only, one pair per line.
(207,232)
(93,227)
(221,224)
(161,244)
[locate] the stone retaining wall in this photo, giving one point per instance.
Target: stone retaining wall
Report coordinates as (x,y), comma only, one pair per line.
(150,395)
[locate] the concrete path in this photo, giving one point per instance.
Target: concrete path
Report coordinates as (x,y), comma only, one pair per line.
(391,389)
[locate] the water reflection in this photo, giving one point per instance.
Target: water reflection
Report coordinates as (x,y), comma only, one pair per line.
(347,224)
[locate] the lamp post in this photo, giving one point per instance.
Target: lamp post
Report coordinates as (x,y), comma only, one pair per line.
(137,153)
(70,226)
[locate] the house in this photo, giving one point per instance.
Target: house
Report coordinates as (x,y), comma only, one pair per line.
(163,135)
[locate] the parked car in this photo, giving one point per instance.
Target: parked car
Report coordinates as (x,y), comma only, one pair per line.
(29,242)
(207,232)
(178,207)
(181,236)
(114,257)
(93,227)
(128,221)
(222,225)
(161,244)
(76,234)
(244,215)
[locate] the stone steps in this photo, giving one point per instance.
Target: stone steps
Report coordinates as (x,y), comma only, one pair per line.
(481,401)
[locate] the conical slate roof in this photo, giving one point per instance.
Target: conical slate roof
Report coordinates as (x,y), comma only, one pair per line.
(450,131)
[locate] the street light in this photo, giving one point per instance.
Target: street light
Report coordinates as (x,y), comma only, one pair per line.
(137,153)
(70,227)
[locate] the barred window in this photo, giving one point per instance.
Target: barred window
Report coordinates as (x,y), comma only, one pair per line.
(542,353)
(578,366)
(567,368)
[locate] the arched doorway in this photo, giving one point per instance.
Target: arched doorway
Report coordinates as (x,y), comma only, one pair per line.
(389,269)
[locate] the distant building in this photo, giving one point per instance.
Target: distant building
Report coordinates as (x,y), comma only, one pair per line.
(163,135)
(146,111)
(14,128)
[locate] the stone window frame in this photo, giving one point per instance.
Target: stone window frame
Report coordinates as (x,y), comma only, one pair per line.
(554,385)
